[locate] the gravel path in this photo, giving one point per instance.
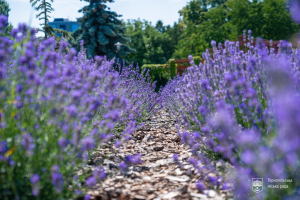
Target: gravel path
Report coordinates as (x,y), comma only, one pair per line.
(158,177)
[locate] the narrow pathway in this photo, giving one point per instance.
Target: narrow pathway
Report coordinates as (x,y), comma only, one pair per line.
(158,177)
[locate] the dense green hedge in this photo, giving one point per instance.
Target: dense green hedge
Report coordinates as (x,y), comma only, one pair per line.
(159,73)
(162,72)
(173,68)
(156,70)
(197,60)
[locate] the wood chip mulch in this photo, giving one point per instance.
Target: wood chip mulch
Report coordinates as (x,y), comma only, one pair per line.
(158,177)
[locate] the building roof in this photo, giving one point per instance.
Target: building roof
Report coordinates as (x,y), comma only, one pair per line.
(60,20)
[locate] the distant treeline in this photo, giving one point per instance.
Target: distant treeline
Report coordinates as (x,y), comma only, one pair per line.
(204,20)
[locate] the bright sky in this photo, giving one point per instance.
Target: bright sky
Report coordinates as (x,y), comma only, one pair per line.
(150,10)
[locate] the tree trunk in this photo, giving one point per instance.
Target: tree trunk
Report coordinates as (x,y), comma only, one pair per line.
(45,19)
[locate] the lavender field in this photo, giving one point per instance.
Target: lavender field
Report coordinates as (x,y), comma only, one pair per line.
(75,126)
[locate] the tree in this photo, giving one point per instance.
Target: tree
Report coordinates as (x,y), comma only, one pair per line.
(154,44)
(206,20)
(4,8)
(194,11)
(45,9)
(203,20)
(278,24)
(160,26)
(191,45)
(135,30)
(100,29)
(215,27)
(268,19)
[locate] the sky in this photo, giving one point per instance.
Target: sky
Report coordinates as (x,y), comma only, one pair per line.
(150,10)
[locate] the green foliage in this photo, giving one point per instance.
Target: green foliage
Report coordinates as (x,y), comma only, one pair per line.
(277,21)
(268,19)
(154,45)
(194,14)
(173,68)
(45,9)
(215,27)
(159,73)
(197,60)
(194,11)
(206,20)
(100,29)
(4,8)
(156,69)
(190,45)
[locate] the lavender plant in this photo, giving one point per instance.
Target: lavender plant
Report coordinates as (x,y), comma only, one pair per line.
(55,107)
(243,109)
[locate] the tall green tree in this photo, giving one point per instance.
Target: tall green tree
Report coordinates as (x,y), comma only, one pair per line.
(206,20)
(193,44)
(215,26)
(135,30)
(100,29)
(154,44)
(4,10)
(45,9)
(268,18)
(160,26)
(203,20)
(278,24)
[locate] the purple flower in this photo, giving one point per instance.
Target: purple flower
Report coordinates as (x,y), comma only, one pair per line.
(11,163)
(113,115)
(3,147)
(136,159)
(226,186)
(200,186)
(88,143)
(81,42)
(213,179)
(99,174)
(295,10)
(87,197)
(57,181)
(76,94)
(72,110)
(248,137)
(278,169)
(55,168)
(3,21)
(91,181)
(175,158)
(118,144)
(123,166)
(19,88)
(27,142)
(63,142)
(213,43)
(248,157)
(35,179)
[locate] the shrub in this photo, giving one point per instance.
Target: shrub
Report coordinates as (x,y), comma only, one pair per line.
(246,106)
(159,74)
(173,68)
(197,60)
(55,108)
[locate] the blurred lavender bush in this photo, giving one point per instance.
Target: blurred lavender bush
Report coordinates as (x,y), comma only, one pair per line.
(55,107)
(244,109)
